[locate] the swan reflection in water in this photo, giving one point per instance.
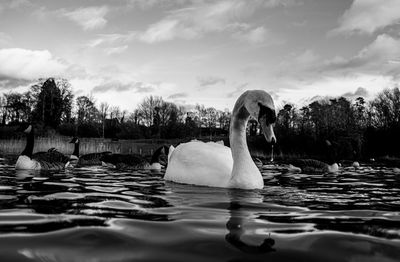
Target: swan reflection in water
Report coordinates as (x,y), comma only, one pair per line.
(238,217)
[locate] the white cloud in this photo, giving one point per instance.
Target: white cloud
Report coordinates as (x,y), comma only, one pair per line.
(360,92)
(166,30)
(116,50)
(206,81)
(198,18)
(209,17)
(147,4)
(179,95)
(88,18)
(374,58)
(116,85)
(20,67)
(301,93)
(255,36)
(109,39)
(17,63)
(126,93)
(368,16)
(378,58)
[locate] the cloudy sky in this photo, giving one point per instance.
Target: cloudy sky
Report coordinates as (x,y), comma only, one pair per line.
(202,51)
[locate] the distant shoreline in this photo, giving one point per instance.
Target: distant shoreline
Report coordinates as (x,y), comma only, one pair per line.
(14,146)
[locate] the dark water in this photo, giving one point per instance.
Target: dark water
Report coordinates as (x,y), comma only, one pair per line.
(99,214)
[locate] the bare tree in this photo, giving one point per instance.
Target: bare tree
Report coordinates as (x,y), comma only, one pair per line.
(103,109)
(3,110)
(86,110)
(147,109)
(386,108)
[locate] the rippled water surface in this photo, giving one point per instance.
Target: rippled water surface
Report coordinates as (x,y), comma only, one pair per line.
(100,214)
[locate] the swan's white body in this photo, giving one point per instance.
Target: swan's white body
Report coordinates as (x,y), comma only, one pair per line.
(213,164)
(206,164)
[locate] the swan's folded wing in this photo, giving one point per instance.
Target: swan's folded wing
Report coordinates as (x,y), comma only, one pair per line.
(201,164)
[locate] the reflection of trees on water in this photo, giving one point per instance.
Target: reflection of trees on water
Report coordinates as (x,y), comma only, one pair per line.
(238,217)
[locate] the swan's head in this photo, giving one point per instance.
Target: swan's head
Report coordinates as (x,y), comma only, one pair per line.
(74,140)
(261,107)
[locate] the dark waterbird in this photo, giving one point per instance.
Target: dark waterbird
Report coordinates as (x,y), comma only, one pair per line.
(50,160)
(92,159)
(136,161)
(314,165)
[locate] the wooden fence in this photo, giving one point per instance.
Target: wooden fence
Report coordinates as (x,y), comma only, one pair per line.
(87,145)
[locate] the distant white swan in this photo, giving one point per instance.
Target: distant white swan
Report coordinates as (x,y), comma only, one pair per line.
(213,164)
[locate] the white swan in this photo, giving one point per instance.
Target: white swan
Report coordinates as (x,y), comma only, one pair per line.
(213,164)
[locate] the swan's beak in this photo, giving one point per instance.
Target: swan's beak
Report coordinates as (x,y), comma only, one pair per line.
(268,131)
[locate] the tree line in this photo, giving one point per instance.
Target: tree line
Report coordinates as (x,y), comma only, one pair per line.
(356,128)
(51,105)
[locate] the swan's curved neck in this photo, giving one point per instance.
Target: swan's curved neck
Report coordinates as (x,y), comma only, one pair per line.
(244,173)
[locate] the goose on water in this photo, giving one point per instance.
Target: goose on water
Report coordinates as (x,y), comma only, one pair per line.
(312,166)
(215,165)
(92,159)
(136,161)
(50,160)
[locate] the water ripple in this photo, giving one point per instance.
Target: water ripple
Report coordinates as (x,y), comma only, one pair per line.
(108,215)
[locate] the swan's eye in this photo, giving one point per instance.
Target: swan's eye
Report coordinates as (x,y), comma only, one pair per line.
(268,113)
